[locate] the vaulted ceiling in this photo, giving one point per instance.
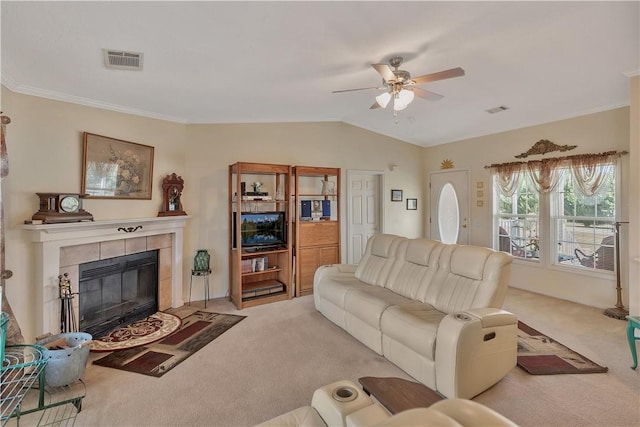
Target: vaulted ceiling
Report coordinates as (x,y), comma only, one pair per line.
(241,62)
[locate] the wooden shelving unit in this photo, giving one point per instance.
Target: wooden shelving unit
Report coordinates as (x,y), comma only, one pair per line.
(317,236)
(272,280)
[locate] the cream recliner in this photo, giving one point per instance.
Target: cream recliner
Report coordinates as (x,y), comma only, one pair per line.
(432,309)
(342,404)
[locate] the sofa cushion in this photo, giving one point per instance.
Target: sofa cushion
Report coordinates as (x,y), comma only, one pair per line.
(304,416)
(474,277)
(378,258)
(414,325)
(368,304)
(469,261)
(416,264)
(334,289)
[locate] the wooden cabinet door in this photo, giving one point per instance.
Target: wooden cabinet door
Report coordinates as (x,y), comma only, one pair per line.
(309,261)
(328,255)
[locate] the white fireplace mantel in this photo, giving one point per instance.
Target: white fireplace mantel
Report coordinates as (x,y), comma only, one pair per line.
(50,238)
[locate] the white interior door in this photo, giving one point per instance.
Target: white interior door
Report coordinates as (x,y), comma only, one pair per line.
(363,210)
(449,206)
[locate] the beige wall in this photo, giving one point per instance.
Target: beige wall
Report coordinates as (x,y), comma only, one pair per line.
(45,153)
(211,148)
(592,133)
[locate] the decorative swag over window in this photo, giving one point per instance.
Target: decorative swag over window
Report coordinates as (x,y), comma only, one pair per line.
(588,170)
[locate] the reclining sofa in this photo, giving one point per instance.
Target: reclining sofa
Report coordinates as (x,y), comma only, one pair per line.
(432,309)
(342,404)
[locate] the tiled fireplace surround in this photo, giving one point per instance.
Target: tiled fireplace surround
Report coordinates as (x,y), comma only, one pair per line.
(61,248)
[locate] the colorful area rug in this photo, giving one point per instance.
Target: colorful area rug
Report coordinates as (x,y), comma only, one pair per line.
(197,330)
(540,355)
(142,332)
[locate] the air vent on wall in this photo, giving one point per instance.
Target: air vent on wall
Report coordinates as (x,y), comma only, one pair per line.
(121,60)
(497,109)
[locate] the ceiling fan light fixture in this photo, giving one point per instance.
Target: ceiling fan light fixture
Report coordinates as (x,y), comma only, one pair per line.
(383,99)
(403,99)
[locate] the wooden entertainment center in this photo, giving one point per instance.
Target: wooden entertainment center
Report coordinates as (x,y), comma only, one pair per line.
(276,211)
(317,241)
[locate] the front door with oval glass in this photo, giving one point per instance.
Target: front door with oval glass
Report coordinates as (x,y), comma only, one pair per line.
(449,206)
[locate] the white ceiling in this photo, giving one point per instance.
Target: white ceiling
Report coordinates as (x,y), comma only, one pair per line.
(240,62)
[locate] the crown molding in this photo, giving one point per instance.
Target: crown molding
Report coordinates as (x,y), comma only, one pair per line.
(12,85)
(634,73)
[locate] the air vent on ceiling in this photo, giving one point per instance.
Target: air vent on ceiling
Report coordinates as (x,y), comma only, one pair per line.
(497,109)
(121,60)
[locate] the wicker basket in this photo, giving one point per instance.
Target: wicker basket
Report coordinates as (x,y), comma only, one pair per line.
(66,365)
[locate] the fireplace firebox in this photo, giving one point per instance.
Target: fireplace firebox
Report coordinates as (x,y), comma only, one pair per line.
(117,291)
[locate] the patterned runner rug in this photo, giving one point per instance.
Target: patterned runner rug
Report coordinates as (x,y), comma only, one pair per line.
(142,332)
(196,331)
(540,355)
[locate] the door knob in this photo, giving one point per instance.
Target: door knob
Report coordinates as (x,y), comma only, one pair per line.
(464,225)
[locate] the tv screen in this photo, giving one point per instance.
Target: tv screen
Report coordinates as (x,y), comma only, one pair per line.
(261,229)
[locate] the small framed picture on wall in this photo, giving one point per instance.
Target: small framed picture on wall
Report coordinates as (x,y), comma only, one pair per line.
(412,204)
(396,195)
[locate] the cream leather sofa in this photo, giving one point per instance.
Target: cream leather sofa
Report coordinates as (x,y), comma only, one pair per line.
(344,404)
(430,308)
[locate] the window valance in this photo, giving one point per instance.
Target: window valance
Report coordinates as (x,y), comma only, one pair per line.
(588,171)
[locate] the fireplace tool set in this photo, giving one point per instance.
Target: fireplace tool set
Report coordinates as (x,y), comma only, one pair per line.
(67,316)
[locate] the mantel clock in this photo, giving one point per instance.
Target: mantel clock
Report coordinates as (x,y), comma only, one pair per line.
(172,186)
(61,207)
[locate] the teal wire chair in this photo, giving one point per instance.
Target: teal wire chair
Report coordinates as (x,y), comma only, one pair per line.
(201,268)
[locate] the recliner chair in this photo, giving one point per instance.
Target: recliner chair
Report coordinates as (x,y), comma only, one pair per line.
(343,404)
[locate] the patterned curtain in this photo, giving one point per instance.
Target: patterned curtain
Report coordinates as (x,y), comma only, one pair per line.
(589,172)
(507,177)
(545,174)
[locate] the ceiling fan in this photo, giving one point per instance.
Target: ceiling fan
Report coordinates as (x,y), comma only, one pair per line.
(401,87)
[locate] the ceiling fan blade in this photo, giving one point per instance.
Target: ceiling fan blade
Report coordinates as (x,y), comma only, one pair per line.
(447,74)
(374,106)
(427,94)
(353,90)
(385,71)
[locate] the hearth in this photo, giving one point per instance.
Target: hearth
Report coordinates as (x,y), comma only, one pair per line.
(117,291)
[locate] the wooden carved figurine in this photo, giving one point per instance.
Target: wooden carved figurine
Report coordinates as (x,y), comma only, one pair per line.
(172,186)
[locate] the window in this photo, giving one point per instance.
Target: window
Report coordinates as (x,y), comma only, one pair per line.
(558,212)
(585,225)
(518,219)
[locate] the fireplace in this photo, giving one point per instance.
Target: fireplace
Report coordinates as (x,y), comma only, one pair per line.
(61,248)
(117,291)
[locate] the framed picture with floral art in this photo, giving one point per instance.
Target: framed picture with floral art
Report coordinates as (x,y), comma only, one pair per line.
(116,169)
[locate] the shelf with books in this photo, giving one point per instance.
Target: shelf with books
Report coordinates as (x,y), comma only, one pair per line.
(316,223)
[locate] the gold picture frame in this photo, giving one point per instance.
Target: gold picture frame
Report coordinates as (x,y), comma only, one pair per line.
(116,169)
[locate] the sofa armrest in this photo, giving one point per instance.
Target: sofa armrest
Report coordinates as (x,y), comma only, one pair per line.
(475,348)
(469,413)
(335,401)
(334,270)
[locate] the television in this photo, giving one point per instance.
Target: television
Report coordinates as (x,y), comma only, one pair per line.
(260,229)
